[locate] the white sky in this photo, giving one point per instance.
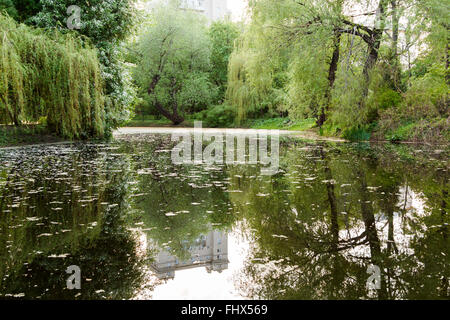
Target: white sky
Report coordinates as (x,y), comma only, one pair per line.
(237,8)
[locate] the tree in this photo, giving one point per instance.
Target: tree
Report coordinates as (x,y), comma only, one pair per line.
(8,7)
(316,59)
(174,63)
(222,35)
(106,24)
(52,75)
(27,9)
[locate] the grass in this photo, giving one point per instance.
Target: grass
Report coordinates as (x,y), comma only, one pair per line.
(269,124)
(283,124)
(148,123)
(402,133)
(152,121)
(432,131)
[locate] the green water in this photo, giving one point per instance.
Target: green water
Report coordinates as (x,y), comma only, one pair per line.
(136,224)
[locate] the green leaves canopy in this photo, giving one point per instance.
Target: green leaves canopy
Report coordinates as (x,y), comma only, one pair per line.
(175,49)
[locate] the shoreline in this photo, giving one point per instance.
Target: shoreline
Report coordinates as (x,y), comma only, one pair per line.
(306,135)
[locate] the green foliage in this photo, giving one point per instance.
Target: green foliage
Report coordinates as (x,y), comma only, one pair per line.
(423,112)
(283,63)
(8,7)
(431,130)
(106,24)
(222,35)
(283,124)
(388,98)
(52,75)
(174,59)
(401,133)
(359,133)
(26,9)
(101,21)
(255,84)
(221,116)
(428,95)
(276,69)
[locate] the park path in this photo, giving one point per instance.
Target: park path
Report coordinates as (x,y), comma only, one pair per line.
(309,135)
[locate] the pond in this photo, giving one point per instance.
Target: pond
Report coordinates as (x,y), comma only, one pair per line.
(336,221)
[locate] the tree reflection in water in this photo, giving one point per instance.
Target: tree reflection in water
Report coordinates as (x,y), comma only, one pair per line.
(335,209)
(314,227)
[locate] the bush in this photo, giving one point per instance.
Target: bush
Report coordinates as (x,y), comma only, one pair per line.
(432,131)
(221,116)
(388,98)
(358,133)
(428,97)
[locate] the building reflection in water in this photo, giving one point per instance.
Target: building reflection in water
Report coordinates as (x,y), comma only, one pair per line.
(209,251)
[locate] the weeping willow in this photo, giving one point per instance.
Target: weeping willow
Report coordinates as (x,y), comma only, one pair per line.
(239,92)
(269,68)
(50,75)
(256,72)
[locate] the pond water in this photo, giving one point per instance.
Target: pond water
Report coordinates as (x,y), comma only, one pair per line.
(141,227)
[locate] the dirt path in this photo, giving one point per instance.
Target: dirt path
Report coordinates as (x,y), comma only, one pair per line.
(309,135)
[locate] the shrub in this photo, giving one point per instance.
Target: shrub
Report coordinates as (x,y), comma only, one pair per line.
(428,96)
(388,98)
(221,116)
(358,133)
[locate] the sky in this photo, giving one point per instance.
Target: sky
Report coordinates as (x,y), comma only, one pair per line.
(237,8)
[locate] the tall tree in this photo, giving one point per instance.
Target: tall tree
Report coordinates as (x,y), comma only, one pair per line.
(222,35)
(174,63)
(106,24)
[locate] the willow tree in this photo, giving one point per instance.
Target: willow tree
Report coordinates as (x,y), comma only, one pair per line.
(222,35)
(302,41)
(430,75)
(309,36)
(258,67)
(106,24)
(174,63)
(50,75)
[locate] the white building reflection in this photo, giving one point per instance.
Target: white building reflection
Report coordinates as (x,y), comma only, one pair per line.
(209,251)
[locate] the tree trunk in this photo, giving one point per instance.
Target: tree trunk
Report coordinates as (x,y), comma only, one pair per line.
(371,231)
(395,63)
(173,116)
(331,78)
(373,47)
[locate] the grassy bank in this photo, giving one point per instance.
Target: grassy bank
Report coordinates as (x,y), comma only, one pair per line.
(269,124)
(435,131)
(23,135)
(429,131)
(423,131)
(282,124)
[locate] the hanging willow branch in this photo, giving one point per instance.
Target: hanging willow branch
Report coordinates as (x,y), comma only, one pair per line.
(50,75)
